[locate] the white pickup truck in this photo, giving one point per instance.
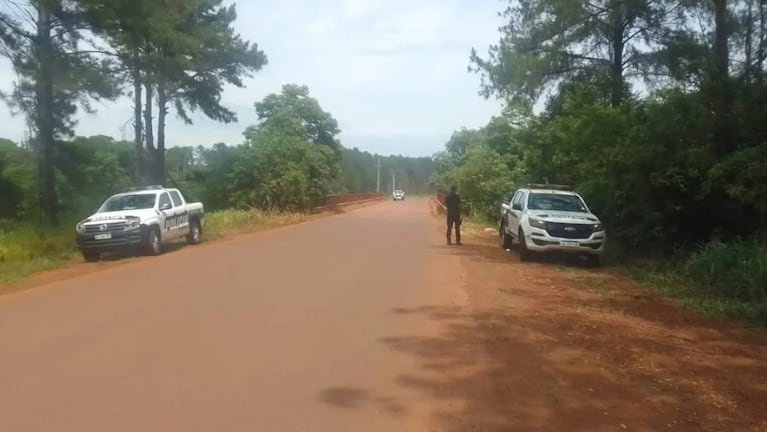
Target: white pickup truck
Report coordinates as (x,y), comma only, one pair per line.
(140,219)
(550,218)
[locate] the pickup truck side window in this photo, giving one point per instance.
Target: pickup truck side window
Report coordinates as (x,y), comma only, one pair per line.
(164,199)
(176,197)
(522,200)
(515,203)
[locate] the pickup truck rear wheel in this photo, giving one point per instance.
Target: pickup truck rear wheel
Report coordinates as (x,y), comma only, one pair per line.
(153,243)
(506,240)
(195,233)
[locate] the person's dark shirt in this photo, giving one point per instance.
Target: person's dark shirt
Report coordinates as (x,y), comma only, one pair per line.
(453,204)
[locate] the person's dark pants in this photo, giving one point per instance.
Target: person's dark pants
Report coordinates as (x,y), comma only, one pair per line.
(453,221)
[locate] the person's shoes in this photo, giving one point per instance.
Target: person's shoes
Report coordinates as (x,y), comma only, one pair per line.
(449,243)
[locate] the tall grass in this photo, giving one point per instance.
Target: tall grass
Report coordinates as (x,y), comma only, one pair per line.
(228,222)
(720,279)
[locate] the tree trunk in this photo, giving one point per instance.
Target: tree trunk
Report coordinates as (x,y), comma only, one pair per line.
(618,47)
(162,103)
(761,50)
(722,33)
(138,129)
(44,117)
(721,75)
(151,155)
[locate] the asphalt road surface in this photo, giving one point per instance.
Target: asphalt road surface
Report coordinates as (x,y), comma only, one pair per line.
(287,330)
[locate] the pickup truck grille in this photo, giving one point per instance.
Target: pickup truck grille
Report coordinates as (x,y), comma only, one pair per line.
(108,227)
(569,231)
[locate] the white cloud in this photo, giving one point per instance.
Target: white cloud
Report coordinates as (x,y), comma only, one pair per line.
(392,72)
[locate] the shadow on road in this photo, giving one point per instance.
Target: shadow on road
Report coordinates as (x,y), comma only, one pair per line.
(541,349)
(167,248)
(493,253)
(557,370)
(351,398)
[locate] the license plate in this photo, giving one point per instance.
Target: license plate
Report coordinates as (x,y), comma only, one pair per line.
(570,244)
(106,236)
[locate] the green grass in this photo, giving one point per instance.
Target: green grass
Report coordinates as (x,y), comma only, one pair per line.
(26,250)
(721,280)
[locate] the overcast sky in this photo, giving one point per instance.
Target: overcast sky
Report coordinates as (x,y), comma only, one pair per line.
(392,72)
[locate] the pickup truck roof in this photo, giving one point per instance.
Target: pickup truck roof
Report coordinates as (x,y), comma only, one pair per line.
(550,188)
(552,191)
(153,188)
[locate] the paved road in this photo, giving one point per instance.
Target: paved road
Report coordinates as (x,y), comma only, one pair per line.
(277,331)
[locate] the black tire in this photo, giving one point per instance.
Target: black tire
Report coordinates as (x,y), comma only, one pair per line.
(153,244)
(506,240)
(195,233)
(91,256)
(593,261)
(524,252)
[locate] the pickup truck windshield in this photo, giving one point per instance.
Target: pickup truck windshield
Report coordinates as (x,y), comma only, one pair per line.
(570,203)
(129,202)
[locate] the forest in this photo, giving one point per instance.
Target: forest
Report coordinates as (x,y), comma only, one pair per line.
(656,112)
(168,58)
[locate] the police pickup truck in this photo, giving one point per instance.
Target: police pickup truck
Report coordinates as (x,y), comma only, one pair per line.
(140,219)
(551,218)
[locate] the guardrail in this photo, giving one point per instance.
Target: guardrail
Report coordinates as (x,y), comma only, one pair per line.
(339,201)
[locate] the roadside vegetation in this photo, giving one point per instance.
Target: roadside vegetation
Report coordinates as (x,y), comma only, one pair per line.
(166,57)
(654,111)
(28,249)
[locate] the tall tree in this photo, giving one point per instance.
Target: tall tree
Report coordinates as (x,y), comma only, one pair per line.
(547,41)
(200,54)
(180,54)
(44,41)
(294,108)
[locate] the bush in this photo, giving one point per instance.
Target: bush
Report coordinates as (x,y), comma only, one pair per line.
(720,279)
(731,270)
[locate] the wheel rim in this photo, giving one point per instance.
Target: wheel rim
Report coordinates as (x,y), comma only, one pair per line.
(196,233)
(155,243)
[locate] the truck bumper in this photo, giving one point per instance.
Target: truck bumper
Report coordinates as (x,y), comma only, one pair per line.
(540,241)
(119,240)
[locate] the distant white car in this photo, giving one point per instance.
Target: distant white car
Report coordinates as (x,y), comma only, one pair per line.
(398,195)
(548,218)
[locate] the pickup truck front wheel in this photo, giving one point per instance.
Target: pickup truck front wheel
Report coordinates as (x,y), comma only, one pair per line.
(524,252)
(195,233)
(90,256)
(153,243)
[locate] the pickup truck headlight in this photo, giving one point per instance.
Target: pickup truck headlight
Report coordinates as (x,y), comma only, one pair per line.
(537,223)
(80,227)
(598,227)
(132,223)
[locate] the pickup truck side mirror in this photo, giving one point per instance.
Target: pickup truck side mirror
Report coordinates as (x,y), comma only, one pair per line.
(517,207)
(165,206)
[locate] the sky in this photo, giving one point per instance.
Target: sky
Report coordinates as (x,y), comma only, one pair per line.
(392,72)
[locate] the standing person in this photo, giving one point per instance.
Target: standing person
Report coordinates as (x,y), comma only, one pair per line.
(453,204)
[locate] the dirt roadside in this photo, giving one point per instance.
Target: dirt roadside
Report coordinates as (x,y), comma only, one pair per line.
(559,348)
(77,267)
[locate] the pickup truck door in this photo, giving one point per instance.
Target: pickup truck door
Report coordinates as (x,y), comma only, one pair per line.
(180,214)
(515,213)
(166,223)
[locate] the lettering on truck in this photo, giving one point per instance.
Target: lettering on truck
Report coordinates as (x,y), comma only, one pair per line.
(176,221)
